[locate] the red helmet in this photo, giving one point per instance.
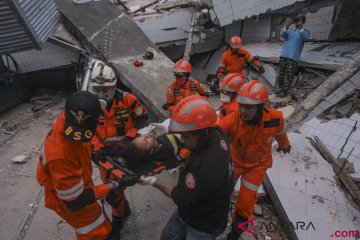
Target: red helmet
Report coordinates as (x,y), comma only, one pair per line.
(236,42)
(192,113)
(252,93)
(232,82)
(182,66)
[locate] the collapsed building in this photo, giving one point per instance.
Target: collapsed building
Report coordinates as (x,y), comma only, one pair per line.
(304,186)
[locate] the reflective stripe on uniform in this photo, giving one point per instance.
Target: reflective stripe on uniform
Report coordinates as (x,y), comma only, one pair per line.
(249,185)
(91,226)
(221,65)
(114,139)
(73,192)
(246,100)
(175,126)
(173,142)
(42,155)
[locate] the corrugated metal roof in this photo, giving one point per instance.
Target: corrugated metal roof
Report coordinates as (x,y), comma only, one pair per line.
(26,24)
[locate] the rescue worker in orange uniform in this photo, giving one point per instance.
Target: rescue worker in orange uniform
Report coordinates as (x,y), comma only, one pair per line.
(183,86)
(234,59)
(204,187)
(229,86)
(121,117)
(65,169)
(251,131)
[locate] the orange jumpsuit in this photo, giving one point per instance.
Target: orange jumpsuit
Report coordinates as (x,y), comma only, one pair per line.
(235,63)
(125,111)
(228,108)
(65,170)
(251,153)
(175,92)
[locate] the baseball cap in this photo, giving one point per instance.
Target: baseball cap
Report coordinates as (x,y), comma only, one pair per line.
(82,110)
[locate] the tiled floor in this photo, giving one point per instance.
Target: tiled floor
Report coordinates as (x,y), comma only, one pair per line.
(307,189)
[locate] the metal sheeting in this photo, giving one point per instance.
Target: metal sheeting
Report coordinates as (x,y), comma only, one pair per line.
(50,56)
(320,23)
(232,10)
(256,30)
(167,27)
(26,24)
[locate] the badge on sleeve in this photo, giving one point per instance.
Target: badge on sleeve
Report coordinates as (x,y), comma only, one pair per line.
(223,145)
(139,111)
(190,181)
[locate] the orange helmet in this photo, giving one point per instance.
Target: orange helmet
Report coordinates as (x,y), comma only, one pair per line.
(232,82)
(182,66)
(192,113)
(252,93)
(236,42)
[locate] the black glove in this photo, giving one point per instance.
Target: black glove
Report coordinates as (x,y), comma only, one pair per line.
(261,69)
(97,156)
(128,180)
(285,150)
(111,199)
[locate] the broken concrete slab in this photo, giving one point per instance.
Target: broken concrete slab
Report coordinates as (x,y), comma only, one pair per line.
(213,64)
(89,23)
(232,30)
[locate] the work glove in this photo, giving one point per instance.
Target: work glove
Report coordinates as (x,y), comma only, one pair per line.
(98,155)
(284,150)
(144,181)
(112,200)
(128,180)
(261,69)
(158,129)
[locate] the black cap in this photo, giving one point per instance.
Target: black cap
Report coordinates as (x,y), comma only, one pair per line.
(82,110)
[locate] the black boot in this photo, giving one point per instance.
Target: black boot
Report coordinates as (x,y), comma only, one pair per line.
(116,226)
(236,232)
(127,210)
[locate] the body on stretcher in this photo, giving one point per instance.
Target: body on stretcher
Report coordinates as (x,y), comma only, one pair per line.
(116,169)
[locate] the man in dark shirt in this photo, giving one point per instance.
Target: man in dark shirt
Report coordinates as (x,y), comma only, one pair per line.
(202,194)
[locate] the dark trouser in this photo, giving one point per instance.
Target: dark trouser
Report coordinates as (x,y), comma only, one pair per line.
(177,229)
(287,68)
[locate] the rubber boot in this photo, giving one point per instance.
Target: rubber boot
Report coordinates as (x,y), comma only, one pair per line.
(127,211)
(116,225)
(235,232)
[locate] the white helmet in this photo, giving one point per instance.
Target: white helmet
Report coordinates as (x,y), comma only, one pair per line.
(102,75)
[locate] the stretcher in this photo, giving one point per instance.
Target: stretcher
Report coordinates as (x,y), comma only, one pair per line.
(114,169)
